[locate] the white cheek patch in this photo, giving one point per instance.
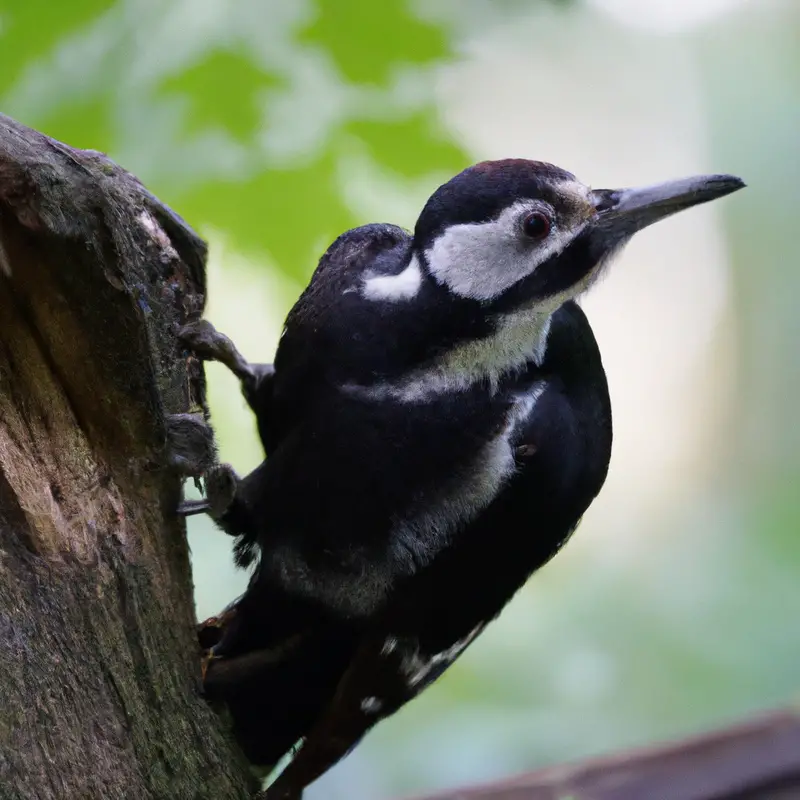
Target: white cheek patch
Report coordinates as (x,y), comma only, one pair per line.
(403,286)
(483,260)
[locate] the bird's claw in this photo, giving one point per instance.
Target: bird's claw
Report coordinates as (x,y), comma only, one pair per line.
(190,444)
(208,344)
(221,484)
(205,340)
(205,662)
(211,630)
(189,508)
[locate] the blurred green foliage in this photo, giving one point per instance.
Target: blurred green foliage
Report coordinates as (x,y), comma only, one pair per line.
(395,36)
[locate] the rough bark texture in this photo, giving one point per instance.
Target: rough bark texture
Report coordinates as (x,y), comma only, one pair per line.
(756,760)
(99,668)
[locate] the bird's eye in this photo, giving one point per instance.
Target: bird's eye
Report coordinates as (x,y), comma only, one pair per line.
(536,225)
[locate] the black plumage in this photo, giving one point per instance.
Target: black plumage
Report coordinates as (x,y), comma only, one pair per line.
(436,425)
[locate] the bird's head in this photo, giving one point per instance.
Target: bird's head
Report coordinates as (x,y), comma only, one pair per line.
(525,234)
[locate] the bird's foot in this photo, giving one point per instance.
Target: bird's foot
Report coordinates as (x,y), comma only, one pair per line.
(205,663)
(189,446)
(221,482)
(218,620)
(209,344)
(211,630)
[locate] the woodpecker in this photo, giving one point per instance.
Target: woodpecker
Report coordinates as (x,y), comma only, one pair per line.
(436,423)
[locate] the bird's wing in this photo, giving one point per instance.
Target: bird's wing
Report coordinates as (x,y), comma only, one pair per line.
(317,338)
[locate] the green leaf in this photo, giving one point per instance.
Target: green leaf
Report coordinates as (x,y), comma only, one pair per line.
(224,91)
(30,29)
(367,41)
(414,146)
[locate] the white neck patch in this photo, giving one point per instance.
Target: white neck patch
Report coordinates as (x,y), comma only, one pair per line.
(403,286)
(520,337)
(483,260)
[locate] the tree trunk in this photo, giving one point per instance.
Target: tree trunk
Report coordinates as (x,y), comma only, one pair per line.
(99,663)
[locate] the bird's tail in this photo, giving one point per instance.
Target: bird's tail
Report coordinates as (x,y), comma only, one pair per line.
(274,695)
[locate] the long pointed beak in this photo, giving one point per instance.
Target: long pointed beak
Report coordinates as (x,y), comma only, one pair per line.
(622,212)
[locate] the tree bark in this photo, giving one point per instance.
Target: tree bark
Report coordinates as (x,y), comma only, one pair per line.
(99,662)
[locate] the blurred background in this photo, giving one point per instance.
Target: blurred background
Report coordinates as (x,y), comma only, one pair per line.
(274,125)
